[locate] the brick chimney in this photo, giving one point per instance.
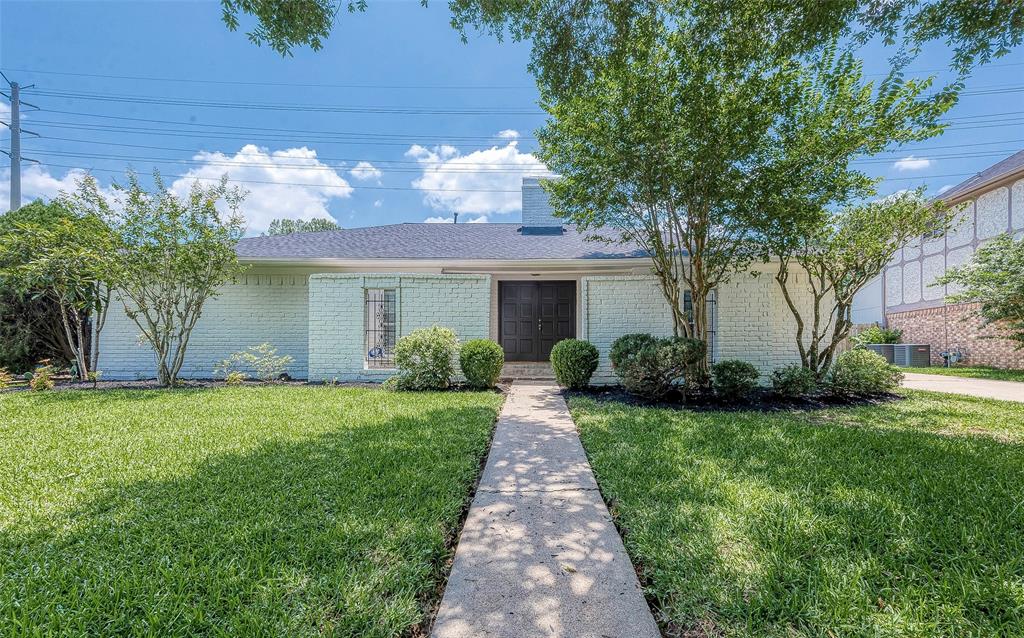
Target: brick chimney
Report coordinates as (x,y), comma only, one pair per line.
(538,217)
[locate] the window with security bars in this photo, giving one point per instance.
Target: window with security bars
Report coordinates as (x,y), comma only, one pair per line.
(380,324)
(712,323)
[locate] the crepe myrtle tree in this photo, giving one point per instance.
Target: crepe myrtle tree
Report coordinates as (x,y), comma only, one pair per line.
(695,151)
(568,34)
(837,258)
(994,278)
(63,255)
(173,254)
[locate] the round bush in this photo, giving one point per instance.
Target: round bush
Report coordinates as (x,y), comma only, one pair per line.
(650,366)
(877,334)
(424,359)
(793,381)
(574,362)
(734,378)
(863,372)
(481,361)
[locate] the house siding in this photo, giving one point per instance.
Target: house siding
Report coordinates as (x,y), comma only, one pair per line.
(336,301)
(914,303)
(254,309)
(752,321)
(318,319)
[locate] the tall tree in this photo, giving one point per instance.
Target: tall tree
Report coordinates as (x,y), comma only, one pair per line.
(289,226)
(699,131)
(566,34)
(172,256)
(61,255)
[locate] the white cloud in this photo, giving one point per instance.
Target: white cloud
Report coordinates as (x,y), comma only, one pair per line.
(483,181)
(378,203)
(290,183)
(38,183)
(945,188)
(508,134)
(5,112)
(911,163)
(365,171)
(482,219)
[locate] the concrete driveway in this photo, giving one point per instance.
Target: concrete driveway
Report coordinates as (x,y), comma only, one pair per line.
(985,388)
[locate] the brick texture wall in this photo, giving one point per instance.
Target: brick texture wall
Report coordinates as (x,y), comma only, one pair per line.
(537,209)
(753,322)
(956,326)
(336,317)
(257,308)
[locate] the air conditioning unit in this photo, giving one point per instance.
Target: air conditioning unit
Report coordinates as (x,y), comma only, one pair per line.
(884,349)
(912,355)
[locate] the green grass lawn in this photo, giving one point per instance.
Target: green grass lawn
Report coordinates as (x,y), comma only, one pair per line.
(974,372)
(900,519)
(284,511)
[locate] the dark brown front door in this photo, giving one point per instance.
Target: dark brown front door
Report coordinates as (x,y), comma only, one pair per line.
(534,316)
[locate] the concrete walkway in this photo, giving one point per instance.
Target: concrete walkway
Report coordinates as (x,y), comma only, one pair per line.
(539,555)
(985,388)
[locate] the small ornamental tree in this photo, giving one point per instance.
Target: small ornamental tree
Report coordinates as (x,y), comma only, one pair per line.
(65,258)
(172,255)
(994,278)
(838,258)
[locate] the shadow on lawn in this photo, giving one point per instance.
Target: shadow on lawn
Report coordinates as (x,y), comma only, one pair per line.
(766,524)
(342,534)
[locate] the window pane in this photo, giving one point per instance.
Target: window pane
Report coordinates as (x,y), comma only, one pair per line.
(381,324)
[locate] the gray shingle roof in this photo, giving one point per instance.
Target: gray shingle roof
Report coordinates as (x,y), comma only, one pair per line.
(432,241)
(1000,169)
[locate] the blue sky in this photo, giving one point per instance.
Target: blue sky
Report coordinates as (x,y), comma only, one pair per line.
(394,120)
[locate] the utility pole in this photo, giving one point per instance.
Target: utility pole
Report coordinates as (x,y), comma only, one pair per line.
(15,146)
(16,131)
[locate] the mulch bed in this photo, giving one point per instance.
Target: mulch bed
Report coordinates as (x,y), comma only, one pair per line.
(761,400)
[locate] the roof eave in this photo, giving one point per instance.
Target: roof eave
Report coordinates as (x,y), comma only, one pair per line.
(986,185)
(521,264)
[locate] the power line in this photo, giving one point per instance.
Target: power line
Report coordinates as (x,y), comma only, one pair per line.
(225,135)
(459,87)
(277,183)
(144,78)
(892,154)
(397,165)
(286,130)
(305,108)
(417,189)
(442,168)
(351,140)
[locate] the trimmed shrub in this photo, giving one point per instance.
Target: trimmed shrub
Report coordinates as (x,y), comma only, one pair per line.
(42,378)
(263,359)
(574,362)
(793,381)
(877,334)
(424,359)
(863,372)
(734,378)
(481,361)
(649,366)
(235,378)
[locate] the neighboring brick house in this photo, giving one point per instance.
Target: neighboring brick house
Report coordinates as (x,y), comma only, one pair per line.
(336,301)
(987,205)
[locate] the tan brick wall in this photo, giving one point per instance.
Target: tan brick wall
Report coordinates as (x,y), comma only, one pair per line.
(957,326)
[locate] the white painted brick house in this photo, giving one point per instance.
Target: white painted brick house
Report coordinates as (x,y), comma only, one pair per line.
(336,301)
